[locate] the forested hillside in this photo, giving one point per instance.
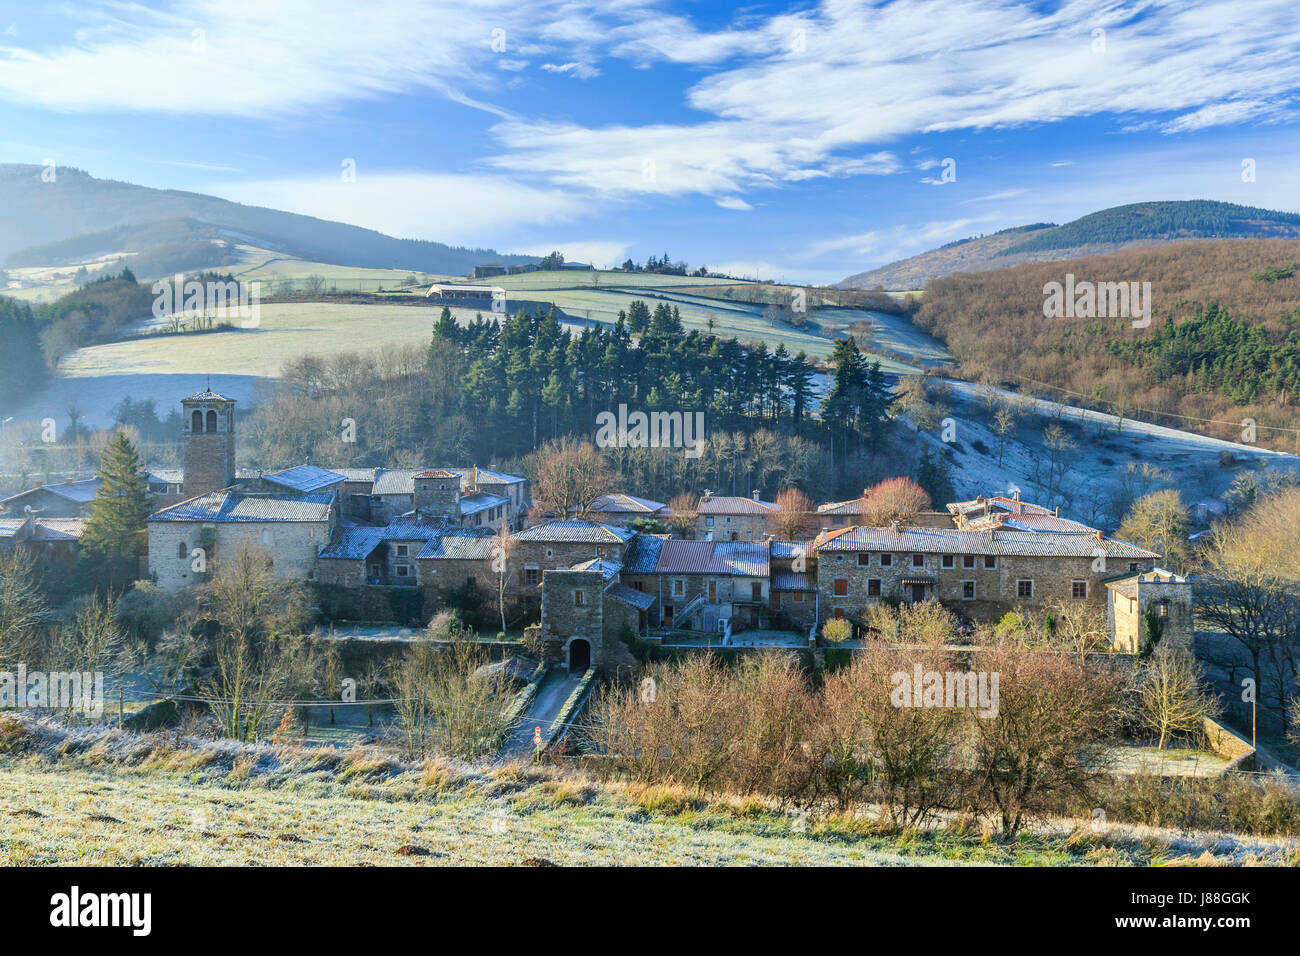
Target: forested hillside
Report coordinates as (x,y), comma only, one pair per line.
(497,391)
(1224,343)
(1098,233)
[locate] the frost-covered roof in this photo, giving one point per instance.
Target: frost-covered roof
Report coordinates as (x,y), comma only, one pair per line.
(994,542)
(218,506)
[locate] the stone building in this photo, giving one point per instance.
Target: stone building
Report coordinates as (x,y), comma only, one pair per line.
(724,518)
(1156,599)
(189,540)
(69,498)
(980,574)
(713,586)
(588,615)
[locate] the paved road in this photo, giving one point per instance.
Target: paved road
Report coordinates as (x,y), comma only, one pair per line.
(545,706)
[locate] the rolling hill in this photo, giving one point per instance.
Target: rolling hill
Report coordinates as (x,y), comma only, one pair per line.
(79,217)
(1098,233)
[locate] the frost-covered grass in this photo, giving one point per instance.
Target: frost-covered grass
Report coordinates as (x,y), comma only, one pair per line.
(104,797)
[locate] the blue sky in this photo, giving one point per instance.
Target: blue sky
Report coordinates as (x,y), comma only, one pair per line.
(801,142)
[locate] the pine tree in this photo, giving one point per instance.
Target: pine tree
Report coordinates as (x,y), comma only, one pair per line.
(115,540)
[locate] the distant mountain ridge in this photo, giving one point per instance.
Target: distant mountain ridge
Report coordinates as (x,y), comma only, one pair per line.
(1098,233)
(78,215)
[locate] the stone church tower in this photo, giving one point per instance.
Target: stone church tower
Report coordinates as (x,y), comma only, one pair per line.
(209,442)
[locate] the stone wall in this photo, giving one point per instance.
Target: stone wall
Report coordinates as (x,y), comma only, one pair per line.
(293,546)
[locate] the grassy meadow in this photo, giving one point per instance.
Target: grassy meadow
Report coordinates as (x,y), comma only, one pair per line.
(105,797)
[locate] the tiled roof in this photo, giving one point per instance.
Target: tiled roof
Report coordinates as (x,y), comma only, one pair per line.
(305,478)
(353,543)
(356,474)
(1003,541)
(620,503)
(59,529)
(393,481)
(642,554)
(480,501)
(793,581)
(577,532)
(437,473)
(497,477)
(746,558)
(854,506)
(459,544)
(725,505)
(411,530)
(167,476)
(80,490)
(229,506)
(791,549)
(638,599)
(608,569)
(1032,521)
(9,527)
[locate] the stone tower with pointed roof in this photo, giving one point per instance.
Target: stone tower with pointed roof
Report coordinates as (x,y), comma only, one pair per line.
(209,442)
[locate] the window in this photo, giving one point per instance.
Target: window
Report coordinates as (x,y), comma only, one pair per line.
(968,560)
(402,550)
(1079,590)
(550,553)
(864,560)
(886,560)
(990,561)
(579,598)
(839,614)
(471,581)
(403,570)
(1164,608)
(182,551)
(1024,589)
(947,561)
(756,591)
(212,421)
(918,560)
(196,421)
(798,597)
(713,592)
(532,577)
(873,587)
(968,590)
(841,587)
(708,522)
(679,587)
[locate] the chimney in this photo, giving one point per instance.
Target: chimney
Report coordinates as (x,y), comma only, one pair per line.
(67,481)
(1100,536)
(40,484)
(755,494)
(1016,494)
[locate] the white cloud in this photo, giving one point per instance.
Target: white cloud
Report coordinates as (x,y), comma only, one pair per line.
(451,208)
(733,202)
(582,71)
(786,98)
